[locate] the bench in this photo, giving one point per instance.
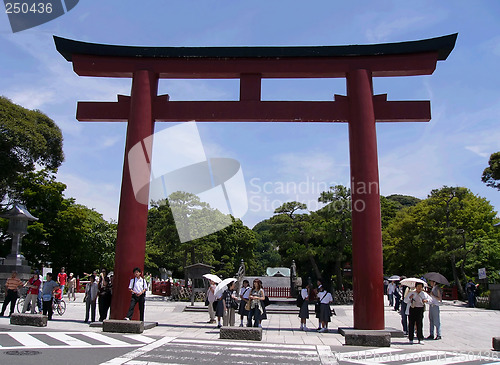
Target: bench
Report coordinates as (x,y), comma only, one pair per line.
(122,326)
(28,319)
(241,333)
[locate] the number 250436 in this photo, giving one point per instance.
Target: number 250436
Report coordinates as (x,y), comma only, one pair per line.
(25,8)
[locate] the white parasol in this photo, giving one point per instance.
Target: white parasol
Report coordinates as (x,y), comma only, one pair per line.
(410,282)
(223,286)
(394,278)
(212,277)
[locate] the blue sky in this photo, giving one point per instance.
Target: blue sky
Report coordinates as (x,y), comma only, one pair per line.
(283,161)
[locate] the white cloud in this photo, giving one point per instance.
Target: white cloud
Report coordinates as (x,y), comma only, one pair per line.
(31,98)
(478,150)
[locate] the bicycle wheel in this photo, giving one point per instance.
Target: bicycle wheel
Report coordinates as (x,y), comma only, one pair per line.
(20,305)
(61,308)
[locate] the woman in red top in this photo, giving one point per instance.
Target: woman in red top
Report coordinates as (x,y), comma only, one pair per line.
(34,285)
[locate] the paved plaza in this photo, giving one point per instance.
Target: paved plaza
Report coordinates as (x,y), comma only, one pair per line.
(464,331)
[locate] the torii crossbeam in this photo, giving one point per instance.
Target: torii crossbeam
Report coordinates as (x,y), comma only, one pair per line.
(360,108)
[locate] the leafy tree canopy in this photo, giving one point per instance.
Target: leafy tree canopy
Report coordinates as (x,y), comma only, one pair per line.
(451,232)
(491,174)
(27,138)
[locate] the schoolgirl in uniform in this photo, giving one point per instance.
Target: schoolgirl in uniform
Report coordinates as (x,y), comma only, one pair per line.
(244,294)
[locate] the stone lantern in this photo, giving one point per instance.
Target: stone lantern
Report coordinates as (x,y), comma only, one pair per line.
(18,227)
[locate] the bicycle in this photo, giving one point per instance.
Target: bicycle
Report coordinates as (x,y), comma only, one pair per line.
(59,306)
(20,305)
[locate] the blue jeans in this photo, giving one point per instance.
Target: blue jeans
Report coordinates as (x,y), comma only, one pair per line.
(434,320)
(391,299)
(256,314)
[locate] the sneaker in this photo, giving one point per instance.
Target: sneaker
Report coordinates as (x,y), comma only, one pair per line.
(127,319)
(219,325)
(430,337)
(241,324)
(305,328)
(438,338)
(323,330)
(411,342)
(319,328)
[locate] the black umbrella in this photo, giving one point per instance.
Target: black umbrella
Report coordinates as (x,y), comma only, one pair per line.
(437,277)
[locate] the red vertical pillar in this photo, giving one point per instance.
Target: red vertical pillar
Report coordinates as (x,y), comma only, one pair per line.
(367,262)
(132,216)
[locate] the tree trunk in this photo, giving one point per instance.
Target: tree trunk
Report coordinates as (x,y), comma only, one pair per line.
(315,267)
(338,273)
(192,255)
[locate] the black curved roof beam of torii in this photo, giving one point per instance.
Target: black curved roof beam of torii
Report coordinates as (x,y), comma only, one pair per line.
(250,65)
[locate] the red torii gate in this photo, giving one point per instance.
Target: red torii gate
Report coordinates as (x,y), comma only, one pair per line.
(360,108)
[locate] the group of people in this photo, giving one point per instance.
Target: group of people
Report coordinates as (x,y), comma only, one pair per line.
(38,294)
(99,287)
(252,305)
(322,300)
(413,303)
(41,295)
(224,306)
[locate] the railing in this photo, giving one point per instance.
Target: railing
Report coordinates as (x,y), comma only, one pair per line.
(163,288)
(450,293)
(483,302)
(343,297)
(277,292)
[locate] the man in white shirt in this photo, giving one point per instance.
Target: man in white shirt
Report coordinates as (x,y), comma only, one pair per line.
(390,293)
(138,287)
(91,291)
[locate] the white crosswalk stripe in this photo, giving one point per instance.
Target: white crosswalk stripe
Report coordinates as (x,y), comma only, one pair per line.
(27,340)
(36,340)
(191,351)
(390,356)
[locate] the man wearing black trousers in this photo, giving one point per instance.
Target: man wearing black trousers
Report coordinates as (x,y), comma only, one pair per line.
(138,287)
(416,300)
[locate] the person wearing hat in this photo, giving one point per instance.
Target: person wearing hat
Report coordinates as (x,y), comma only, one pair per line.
(71,287)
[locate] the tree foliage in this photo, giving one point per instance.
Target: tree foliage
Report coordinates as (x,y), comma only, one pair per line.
(27,138)
(223,249)
(451,232)
(491,174)
(66,234)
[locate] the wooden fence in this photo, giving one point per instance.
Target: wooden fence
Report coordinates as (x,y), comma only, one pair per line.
(277,292)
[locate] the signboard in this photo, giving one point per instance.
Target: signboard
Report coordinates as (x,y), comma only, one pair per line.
(45,271)
(481,273)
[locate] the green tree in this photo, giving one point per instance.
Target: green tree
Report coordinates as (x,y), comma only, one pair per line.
(491,174)
(266,250)
(66,234)
(335,228)
(224,248)
(27,138)
(444,232)
(295,236)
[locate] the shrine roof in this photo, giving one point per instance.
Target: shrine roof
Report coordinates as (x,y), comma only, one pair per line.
(442,45)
